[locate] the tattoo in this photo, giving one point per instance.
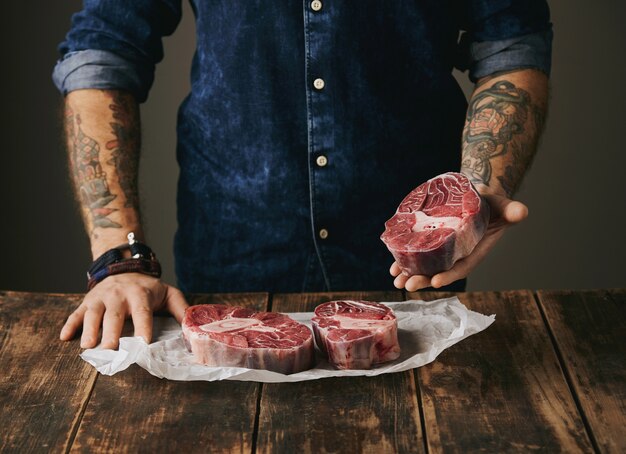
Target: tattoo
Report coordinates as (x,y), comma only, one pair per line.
(125,147)
(495,124)
(89,177)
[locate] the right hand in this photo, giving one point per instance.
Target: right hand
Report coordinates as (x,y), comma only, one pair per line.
(504,213)
(111,301)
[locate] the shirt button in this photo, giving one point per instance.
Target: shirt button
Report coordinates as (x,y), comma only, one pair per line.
(321,160)
(319,83)
(316,5)
(323,234)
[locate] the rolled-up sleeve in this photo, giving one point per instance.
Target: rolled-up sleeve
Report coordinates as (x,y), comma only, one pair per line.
(504,35)
(115,44)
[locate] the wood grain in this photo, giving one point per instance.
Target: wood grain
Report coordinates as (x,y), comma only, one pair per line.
(136,412)
(44,384)
(501,390)
(376,414)
(590,330)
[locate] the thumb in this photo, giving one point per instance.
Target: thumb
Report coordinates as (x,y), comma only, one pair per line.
(506,210)
(515,212)
(175,303)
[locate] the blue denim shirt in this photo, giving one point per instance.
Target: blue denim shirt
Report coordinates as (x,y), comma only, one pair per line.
(307,122)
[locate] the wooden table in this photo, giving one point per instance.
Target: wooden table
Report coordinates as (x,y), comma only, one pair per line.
(549,375)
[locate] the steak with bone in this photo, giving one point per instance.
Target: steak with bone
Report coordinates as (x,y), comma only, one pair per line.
(231,336)
(438,223)
(356,334)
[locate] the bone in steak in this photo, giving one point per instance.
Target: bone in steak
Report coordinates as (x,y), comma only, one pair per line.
(438,223)
(356,334)
(231,336)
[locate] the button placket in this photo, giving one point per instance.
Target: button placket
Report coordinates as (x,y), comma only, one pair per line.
(318,44)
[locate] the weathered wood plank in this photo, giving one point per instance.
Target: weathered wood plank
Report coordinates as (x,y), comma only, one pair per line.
(44,384)
(590,331)
(136,412)
(378,414)
(501,390)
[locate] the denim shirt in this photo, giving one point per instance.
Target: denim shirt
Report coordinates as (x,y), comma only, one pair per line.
(307,122)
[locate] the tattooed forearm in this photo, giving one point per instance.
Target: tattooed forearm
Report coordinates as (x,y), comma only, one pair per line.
(102,132)
(494,117)
(500,135)
(90,179)
(125,147)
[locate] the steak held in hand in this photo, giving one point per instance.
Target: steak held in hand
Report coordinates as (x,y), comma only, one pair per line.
(438,223)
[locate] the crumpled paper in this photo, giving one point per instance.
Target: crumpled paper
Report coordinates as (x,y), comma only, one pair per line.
(425,329)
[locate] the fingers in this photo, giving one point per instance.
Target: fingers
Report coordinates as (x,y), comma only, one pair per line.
(515,212)
(91,324)
(175,303)
(141,313)
(112,325)
(411,283)
(417,282)
(504,210)
(400,280)
(462,268)
(395,269)
(117,298)
(73,323)
(458,271)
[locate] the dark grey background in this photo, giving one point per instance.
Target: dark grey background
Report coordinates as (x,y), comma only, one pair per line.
(574,237)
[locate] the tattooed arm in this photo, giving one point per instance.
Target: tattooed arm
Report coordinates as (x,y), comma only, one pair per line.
(504,121)
(103,141)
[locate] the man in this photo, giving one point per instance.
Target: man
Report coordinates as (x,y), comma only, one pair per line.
(306,124)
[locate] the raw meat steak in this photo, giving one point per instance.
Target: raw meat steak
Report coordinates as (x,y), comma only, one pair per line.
(438,223)
(356,334)
(231,336)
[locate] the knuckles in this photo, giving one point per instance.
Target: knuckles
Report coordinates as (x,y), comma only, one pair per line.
(113,313)
(142,310)
(148,293)
(120,291)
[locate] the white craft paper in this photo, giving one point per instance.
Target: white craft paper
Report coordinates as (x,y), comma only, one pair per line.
(425,329)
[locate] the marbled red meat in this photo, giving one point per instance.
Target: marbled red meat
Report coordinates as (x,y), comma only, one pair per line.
(356,334)
(232,336)
(438,223)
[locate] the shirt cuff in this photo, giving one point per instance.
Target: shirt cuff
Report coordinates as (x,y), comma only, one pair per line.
(103,70)
(527,51)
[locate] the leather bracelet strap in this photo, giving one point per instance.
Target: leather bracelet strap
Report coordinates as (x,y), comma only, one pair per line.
(151,267)
(109,257)
(142,260)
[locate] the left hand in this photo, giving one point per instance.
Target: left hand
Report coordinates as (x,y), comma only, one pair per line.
(504,213)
